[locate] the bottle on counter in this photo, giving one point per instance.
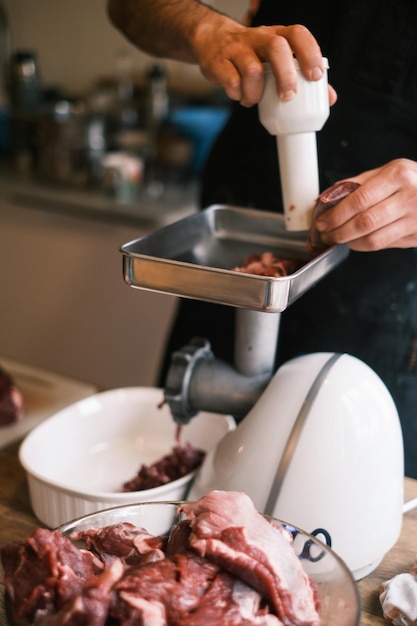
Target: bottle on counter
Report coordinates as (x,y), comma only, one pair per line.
(26,100)
(101,127)
(157,98)
(128,109)
(61,142)
(25,88)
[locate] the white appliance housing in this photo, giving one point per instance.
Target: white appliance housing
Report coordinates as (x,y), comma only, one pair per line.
(322,449)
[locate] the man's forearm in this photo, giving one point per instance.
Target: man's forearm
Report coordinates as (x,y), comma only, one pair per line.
(228,53)
(164,28)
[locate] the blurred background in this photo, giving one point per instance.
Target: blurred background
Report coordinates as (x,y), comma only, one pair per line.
(76,45)
(99,144)
(69,78)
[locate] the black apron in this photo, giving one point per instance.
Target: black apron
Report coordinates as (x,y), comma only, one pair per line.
(367,307)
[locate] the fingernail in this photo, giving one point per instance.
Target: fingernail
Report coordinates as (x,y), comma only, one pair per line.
(316,73)
(287,95)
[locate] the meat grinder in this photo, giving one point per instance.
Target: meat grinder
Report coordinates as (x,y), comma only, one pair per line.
(317,443)
(221,237)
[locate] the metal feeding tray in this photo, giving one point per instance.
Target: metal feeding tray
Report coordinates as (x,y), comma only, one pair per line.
(195,256)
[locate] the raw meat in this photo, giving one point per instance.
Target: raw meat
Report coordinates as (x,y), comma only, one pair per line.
(44,572)
(268,264)
(227,529)
(328,199)
(190,591)
(11,400)
(124,541)
(223,563)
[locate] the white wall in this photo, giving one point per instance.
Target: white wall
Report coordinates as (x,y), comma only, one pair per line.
(65,306)
(76,44)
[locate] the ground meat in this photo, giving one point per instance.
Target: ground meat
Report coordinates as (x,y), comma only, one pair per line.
(11,400)
(182,460)
(268,264)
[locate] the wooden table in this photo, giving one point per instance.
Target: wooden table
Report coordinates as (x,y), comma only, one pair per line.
(17,522)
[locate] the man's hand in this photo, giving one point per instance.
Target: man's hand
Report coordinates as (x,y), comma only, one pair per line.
(381,213)
(231,55)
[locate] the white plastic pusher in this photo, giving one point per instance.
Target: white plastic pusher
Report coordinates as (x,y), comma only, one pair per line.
(295,122)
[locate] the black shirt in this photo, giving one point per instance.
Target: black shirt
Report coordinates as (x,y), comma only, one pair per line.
(372,51)
(367,307)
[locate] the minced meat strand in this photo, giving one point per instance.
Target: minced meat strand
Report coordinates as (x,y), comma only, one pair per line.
(182,460)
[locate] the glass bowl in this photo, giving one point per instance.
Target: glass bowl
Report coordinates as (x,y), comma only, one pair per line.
(339,596)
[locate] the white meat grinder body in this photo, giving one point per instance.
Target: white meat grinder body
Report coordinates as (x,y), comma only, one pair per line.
(322,448)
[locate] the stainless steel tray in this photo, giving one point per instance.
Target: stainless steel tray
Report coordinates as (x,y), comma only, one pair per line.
(193,257)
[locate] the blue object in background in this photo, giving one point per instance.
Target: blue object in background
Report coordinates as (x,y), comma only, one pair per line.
(201,124)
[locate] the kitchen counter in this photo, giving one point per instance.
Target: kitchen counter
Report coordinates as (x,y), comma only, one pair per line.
(17,522)
(174,203)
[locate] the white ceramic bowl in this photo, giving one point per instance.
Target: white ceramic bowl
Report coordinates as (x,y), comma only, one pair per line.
(78,459)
